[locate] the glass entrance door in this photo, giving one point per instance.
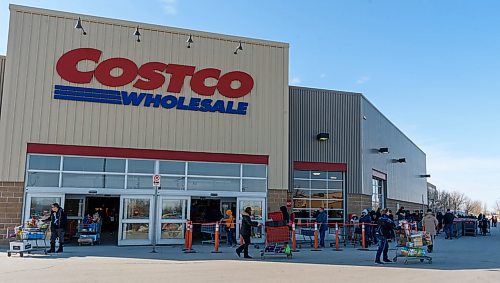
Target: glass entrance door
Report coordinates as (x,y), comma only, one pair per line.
(173,213)
(258,206)
(135,220)
(39,205)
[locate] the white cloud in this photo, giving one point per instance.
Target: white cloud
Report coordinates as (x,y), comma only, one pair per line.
(323,75)
(363,80)
(475,176)
(295,80)
(169,7)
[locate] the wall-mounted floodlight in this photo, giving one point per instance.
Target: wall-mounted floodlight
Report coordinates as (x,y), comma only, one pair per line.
(79,26)
(189,41)
(383,150)
(240,47)
(400,160)
(323,136)
(425,176)
(138,34)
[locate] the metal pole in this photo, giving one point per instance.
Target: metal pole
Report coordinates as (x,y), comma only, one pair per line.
(155,220)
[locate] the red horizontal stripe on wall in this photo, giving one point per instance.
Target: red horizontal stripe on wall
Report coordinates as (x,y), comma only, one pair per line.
(145,153)
(299,165)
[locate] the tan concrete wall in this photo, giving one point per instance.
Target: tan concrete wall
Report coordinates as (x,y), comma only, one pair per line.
(357,202)
(393,204)
(38,37)
(11,203)
(276,199)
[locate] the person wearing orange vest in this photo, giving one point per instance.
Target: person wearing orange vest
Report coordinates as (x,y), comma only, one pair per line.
(229,224)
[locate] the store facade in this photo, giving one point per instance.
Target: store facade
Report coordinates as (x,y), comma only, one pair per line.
(87,120)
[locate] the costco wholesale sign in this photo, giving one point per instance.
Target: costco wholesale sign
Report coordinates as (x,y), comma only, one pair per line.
(151,76)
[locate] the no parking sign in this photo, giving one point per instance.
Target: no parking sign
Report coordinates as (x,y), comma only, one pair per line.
(156,180)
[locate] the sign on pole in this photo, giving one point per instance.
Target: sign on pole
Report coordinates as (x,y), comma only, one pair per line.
(156,180)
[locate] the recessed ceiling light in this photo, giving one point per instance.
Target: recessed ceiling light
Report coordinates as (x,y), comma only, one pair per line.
(316,173)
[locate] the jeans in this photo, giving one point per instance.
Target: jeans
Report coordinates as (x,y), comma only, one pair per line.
(383,247)
(244,246)
(230,236)
(58,233)
(322,232)
(448,229)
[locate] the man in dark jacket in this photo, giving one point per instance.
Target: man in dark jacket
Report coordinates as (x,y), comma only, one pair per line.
(246,231)
(367,220)
(385,226)
(322,220)
(58,222)
(448,223)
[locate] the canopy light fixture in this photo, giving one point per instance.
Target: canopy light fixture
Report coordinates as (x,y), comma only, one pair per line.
(316,173)
(383,150)
(79,26)
(138,34)
(240,47)
(189,41)
(323,136)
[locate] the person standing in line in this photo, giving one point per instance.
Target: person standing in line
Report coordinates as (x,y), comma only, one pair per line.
(322,220)
(58,223)
(385,226)
(439,218)
(246,232)
(448,224)
(430,224)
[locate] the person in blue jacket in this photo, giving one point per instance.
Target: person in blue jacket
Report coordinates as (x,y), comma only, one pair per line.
(385,226)
(322,220)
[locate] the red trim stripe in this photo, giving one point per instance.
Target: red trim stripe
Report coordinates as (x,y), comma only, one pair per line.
(378,174)
(145,153)
(300,165)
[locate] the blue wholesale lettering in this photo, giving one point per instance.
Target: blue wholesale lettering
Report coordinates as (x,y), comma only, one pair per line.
(149,100)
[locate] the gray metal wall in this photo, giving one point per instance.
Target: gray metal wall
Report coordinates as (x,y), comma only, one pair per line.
(403,180)
(2,73)
(314,111)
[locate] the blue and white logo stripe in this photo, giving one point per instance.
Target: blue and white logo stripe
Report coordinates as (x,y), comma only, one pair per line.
(87,94)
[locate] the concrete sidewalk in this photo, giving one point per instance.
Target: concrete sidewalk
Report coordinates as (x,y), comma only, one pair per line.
(454,260)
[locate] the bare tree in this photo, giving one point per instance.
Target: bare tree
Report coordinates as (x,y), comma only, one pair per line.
(472,206)
(457,200)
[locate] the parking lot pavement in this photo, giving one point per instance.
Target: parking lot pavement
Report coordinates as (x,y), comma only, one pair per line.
(458,260)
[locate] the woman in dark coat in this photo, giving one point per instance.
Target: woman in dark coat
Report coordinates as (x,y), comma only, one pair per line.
(246,231)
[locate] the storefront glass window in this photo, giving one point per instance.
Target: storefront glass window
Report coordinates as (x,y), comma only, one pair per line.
(172,209)
(315,189)
(254,185)
(44,162)
(141,166)
(173,167)
(377,193)
(213,184)
(135,231)
(139,182)
(93,181)
(40,207)
(136,208)
(173,183)
(213,169)
(251,170)
(172,230)
(38,179)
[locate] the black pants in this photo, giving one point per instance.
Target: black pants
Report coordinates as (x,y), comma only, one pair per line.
(244,246)
(57,233)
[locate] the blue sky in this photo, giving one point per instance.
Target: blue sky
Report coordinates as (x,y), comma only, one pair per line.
(432,67)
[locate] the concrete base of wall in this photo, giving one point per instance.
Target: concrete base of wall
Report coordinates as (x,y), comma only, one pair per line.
(11,204)
(276,199)
(411,206)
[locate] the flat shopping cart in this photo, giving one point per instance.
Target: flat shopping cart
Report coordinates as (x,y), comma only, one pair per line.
(413,246)
(27,240)
(89,234)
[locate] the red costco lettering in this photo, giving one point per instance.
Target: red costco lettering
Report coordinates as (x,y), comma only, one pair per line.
(151,75)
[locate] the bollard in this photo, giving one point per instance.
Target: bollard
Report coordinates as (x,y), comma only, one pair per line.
(337,241)
(216,248)
(190,238)
(363,240)
(316,232)
(294,239)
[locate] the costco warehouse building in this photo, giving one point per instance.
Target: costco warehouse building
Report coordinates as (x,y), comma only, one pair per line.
(86,120)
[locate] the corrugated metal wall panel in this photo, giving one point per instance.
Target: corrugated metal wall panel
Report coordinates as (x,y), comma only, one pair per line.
(2,73)
(37,38)
(314,111)
(403,179)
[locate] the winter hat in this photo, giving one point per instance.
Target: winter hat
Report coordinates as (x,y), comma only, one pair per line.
(365,211)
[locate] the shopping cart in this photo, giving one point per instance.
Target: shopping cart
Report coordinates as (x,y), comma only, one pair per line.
(277,239)
(26,241)
(413,247)
(209,229)
(89,234)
